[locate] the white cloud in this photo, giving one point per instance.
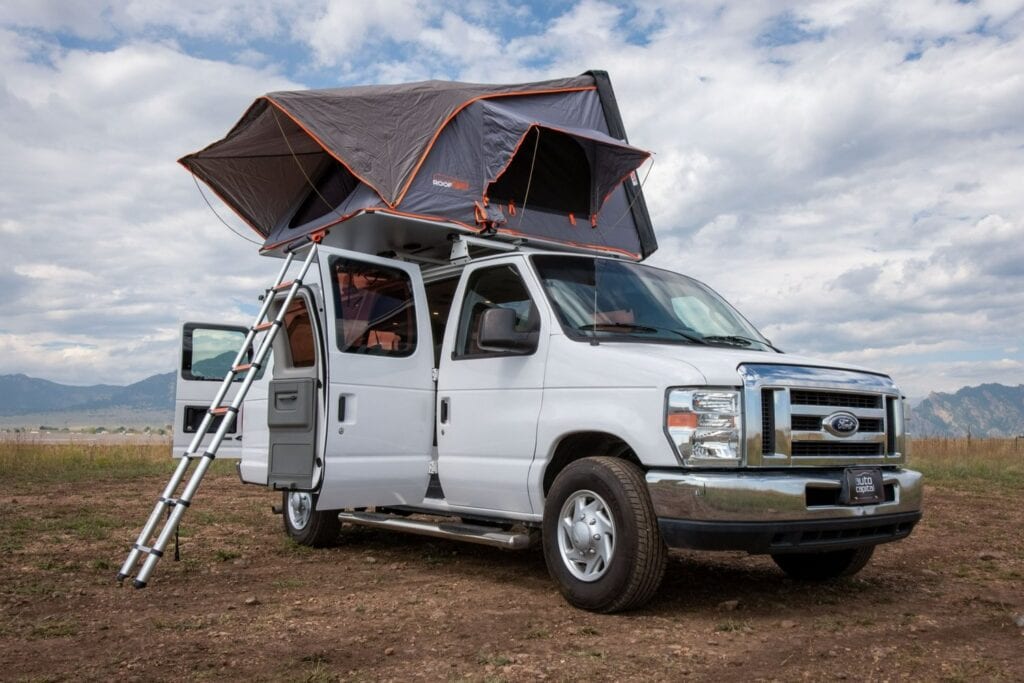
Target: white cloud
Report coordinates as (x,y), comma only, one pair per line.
(113,245)
(229,21)
(340,29)
(846,172)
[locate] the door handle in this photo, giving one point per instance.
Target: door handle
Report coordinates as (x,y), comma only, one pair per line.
(288,397)
(445,410)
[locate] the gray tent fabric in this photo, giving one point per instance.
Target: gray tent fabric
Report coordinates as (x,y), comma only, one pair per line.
(300,161)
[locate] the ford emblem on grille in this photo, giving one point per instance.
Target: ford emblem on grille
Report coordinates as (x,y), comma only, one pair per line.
(841,424)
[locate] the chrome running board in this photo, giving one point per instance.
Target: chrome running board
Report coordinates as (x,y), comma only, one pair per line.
(456,531)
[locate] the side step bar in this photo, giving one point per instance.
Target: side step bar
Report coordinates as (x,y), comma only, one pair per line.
(471,533)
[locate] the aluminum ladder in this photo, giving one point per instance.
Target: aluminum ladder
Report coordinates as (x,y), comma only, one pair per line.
(228,413)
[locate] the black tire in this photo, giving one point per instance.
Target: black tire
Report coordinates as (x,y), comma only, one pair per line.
(824,566)
(304,524)
(636,566)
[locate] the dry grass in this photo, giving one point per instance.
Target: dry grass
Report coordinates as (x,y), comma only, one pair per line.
(31,463)
(975,463)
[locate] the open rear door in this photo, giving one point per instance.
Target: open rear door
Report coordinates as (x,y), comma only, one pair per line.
(294,407)
(207,350)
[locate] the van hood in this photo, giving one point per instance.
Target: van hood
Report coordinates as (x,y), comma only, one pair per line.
(717,365)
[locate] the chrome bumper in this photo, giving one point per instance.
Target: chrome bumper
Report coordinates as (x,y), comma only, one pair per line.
(772,496)
(779,511)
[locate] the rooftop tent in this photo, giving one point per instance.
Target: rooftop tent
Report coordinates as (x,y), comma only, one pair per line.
(547,161)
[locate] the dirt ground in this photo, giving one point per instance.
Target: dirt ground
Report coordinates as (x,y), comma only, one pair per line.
(245,603)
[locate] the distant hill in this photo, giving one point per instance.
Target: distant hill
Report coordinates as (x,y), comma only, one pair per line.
(992,410)
(988,410)
(24,395)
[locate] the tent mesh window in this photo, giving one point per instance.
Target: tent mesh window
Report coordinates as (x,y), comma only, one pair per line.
(333,185)
(561,175)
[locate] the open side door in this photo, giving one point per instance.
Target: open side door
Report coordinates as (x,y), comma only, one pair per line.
(294,406)
(380,396)
(206,353)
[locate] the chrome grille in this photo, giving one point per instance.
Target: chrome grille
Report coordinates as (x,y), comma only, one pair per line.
(804,397)
(768,421)
(787,407)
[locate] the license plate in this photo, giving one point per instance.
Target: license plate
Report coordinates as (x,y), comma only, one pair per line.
(863,486)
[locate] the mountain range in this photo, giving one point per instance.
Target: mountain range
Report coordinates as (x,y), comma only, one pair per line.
(24,395)
(988,410)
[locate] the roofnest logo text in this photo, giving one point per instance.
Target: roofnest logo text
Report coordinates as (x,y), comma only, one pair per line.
(449,183)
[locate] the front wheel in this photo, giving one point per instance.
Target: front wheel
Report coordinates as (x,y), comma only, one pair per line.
(824,566)
(601,539)
(304,524)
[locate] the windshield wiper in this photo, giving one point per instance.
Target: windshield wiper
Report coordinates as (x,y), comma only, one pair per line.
(737,340)
(636,327)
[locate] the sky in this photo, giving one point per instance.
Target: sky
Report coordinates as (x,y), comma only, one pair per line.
(849,174)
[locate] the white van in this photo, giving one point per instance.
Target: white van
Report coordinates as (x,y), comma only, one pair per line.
(606,409)
(548,387)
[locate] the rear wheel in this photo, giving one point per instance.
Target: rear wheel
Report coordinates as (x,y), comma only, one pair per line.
(601,539)
(304,524)
(824,566)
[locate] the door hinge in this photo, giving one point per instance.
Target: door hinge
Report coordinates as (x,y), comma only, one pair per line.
(433,375)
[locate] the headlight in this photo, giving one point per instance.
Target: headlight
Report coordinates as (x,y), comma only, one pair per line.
(705,426)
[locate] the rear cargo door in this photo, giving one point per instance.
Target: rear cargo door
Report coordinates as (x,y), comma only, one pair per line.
(380,398)
(206,353)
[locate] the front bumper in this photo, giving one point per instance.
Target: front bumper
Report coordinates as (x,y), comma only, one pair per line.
(773,511)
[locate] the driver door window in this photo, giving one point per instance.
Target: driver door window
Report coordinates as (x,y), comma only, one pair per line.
(497,287)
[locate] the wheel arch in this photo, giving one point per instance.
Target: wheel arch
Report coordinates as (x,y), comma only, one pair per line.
(584,444)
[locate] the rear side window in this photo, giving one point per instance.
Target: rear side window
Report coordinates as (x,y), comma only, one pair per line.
(299,329)
(375,311)
(207,351)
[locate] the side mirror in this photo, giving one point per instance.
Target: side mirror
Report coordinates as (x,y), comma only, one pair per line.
(498,333)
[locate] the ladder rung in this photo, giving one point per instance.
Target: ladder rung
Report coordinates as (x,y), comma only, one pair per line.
(264,326)
(196,456)
(242,368)
(222,410)
(284,285)
(148,550)
(171,502)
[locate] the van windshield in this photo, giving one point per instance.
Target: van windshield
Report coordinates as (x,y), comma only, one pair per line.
(607,299)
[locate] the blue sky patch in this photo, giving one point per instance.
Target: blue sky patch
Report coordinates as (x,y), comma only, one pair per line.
(788,29)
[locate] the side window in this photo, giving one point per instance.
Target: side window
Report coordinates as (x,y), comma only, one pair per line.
(375,311)
(207,351)
(299,331)
(497,287)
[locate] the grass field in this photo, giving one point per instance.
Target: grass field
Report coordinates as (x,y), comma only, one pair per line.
(246,603)
(975,463)
(978,462)
(25,463)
